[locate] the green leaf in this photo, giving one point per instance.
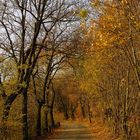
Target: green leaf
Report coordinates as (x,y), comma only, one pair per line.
(83,13)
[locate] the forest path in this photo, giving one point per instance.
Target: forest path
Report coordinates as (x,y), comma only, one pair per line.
(73,131)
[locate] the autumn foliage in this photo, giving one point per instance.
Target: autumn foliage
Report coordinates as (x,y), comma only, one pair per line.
(70,60)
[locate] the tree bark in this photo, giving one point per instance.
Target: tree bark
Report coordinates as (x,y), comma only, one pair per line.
(7,106)
(66,114)
(83,112)
(51,108)
(46,121)
(25,114)
(52,117)
(38,127)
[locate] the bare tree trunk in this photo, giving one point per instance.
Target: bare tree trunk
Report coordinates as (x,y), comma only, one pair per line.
(82,109)
(125,118)
(89,113)
(38,127)
(46,121)
(7,106)
(66,115)
(51,116)
(51,108)
(25,114)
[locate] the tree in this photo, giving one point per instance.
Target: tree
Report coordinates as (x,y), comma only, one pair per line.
(25,26)
(112,49)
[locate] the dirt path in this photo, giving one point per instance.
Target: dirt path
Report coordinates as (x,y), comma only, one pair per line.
(73,131)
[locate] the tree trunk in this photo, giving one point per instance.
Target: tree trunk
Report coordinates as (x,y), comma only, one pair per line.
(83,112)
(46,121)
(51,116)
(38,127)
(125,110)
(51,108)
(7,106)
(89,113)
(73,115)
(66,114)
(25,114)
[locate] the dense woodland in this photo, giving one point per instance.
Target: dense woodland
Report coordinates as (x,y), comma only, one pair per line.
(69,59)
